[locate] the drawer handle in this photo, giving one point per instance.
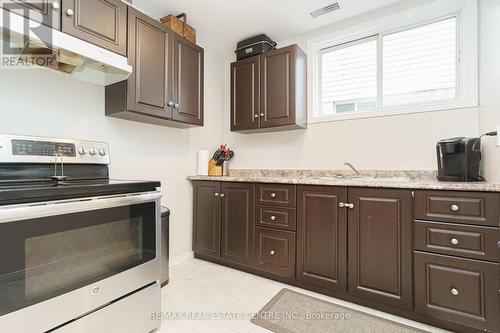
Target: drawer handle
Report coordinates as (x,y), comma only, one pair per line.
(272,252)
(273,218)
(454,292)
(455,208)
(454,241)
(273,195)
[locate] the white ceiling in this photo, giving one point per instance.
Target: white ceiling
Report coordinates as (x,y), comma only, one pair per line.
(221,23)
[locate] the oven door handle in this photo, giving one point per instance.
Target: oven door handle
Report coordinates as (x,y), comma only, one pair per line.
(62,207)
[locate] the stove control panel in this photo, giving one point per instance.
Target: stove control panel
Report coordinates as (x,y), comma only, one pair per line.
(24,149)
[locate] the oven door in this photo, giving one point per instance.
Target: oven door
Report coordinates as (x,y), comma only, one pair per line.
(61,260)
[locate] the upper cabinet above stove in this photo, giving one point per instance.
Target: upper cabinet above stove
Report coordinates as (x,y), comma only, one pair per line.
(166,85)
(100,22)
(268,91)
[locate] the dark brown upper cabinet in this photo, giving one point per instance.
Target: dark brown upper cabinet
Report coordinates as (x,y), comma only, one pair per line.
(380,246)
(322,237)
(245,92)
(165,87)
(188,81)
(207,219)
(100,22)
(47,12)
(268,92)
(238,218)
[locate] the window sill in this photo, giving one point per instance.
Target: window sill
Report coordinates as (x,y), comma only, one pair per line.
(389,112)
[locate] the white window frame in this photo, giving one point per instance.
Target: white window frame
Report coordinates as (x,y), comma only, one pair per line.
(467,91)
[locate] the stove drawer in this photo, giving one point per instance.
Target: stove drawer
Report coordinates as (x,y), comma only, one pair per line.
(459,240)
(462,291)
(460,207)
(138,308)
(275,251)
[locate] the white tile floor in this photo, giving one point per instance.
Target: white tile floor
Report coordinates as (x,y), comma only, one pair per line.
(201,287)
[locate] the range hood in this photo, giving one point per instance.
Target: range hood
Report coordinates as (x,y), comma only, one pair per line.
(75,58)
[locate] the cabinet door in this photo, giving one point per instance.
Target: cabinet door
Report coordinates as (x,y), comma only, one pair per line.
(322,236)
(278,87)
(238,209)
(245,101)
(47,12)
(380,253)
(148,53)
(462,291)
(100,22)
(188,82)
(206,227)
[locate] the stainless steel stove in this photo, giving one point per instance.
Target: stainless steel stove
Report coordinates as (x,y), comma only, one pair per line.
(78,252)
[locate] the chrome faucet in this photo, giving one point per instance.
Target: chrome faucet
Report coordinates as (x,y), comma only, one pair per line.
(347,164)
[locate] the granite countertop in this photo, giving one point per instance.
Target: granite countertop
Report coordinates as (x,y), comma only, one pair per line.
(408,179)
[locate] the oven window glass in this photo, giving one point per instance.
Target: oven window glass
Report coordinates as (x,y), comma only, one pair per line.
(46,257)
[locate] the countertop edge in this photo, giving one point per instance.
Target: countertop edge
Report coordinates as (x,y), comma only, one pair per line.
(380,183)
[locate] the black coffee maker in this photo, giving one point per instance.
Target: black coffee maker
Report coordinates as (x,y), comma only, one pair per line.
(459,159)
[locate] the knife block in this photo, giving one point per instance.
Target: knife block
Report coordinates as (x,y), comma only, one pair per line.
(214,170)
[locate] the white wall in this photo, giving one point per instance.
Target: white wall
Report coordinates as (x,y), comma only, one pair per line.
(45,104)
(396,142)
(489,63)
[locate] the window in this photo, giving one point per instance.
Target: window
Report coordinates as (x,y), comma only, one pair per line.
(397,67)
(349,77)
(420,64)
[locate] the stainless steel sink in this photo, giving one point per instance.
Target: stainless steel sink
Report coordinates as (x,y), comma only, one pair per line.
(360,177)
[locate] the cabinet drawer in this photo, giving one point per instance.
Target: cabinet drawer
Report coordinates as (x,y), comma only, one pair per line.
(276,194)
(276,217)
(463,291)
(459,240)
(275,251)
(459,207)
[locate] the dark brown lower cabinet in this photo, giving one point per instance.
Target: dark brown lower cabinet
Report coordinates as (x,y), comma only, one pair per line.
(275,251)
(322,236)
(206,217)
(238,215)
(380,246)
(457,290)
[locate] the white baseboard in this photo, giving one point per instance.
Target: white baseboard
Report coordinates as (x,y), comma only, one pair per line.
(181,258)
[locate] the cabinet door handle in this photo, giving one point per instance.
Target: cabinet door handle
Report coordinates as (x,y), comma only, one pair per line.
(56,5)
(262,115)
(349,205)
(454,291)
(272,252)
(176,105)
(454,208)
(256,116)
(454,241)
(222,195)
(70,12)
(341,205)
(217,194)
(273,195)
(273,218)
(170,104)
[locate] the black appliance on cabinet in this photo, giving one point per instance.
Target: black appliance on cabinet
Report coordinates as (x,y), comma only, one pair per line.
(459,159)
(254,46)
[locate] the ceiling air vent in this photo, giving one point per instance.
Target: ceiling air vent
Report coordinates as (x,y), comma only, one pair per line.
(325,10)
